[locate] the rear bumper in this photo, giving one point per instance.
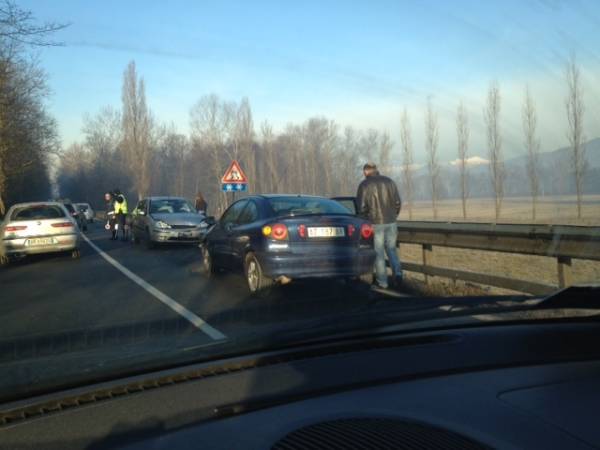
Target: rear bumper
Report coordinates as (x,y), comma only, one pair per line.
(62,243)
(346,264)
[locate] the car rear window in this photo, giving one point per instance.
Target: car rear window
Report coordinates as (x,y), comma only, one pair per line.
(297,206)
(37,212)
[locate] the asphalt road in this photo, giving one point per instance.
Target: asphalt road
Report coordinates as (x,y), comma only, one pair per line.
(117,285)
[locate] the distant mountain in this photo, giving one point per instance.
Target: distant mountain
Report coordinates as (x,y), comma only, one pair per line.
(554,173)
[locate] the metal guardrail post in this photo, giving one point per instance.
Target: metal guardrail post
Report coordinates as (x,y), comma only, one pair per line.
(565,271)
(427,258)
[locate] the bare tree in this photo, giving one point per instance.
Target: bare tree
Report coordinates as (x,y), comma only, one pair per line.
(462,133)
(431,147)
(27,133)
(491,116)
(269,173)
(407,162)
(532,145)
(244,138)
(136,130)
(575,110)
(385,153)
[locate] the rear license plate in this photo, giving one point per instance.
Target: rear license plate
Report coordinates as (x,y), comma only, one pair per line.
(40,241)
(326,232)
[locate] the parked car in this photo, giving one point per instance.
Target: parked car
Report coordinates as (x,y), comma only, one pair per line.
(167,220)
(31,228)
(285,237)
(77,216)
(87,211)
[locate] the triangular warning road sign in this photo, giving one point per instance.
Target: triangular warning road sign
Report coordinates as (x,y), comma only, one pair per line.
(234,174)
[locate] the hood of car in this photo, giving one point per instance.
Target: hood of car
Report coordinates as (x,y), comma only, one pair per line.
(191,219)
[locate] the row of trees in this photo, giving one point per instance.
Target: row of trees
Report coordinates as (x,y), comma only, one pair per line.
(130,149)
(27,132)
(491,117)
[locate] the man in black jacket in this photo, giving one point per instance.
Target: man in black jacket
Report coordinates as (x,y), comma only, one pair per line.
(379,202)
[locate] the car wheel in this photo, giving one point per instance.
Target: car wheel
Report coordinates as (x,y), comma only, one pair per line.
(75,254)
(367,278)
(4,261)
(135,238)
(208,266)
(258,283)
(149,243)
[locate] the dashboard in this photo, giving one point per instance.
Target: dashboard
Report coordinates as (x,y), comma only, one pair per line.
(519,385)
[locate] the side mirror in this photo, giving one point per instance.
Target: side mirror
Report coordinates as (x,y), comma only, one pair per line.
(210,220)
(228,227)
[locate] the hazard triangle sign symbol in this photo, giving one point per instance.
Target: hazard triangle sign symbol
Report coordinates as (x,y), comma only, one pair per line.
(234,175)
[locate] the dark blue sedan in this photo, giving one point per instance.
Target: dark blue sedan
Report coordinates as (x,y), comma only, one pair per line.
(279,238)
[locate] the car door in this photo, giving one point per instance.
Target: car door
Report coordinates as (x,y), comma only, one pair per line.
(218,242)
(140,217)
(242,232)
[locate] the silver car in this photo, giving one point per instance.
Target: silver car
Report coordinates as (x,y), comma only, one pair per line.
(32,228)
(87,211)
(167,220)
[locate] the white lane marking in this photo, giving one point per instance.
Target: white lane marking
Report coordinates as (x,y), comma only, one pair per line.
(199,323)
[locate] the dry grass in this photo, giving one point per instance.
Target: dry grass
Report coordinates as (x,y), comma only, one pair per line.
(555,210)
(550,210)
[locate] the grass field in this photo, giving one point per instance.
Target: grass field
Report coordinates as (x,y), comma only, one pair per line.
(551,210)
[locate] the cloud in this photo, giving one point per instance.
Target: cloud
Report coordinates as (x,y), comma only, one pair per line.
(472,161)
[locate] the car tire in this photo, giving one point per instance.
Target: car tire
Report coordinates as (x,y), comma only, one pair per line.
(367,278)
(75,254)
(150,244)
(4,261)
(208,266)
(258,283)
(134,237)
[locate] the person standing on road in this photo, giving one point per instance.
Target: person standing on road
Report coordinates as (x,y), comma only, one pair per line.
(110,215)
(121,214)
(379,202)
(201,205)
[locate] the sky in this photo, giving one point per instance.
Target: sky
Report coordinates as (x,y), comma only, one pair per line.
(359,63)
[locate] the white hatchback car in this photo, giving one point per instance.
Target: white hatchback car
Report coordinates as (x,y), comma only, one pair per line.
(33,228)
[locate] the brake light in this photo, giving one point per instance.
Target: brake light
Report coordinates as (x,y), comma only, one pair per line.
(62,225)
(366,231)
(278,231)
(351,230)
(16,228)
(302,231)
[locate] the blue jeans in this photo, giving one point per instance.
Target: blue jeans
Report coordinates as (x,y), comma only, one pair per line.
(385,242)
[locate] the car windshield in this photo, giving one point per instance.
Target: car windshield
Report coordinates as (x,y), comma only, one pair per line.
(37,212)
(295,206)
(248,176)
(170,206)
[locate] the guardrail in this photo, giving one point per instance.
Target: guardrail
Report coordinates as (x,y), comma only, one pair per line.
(562,242)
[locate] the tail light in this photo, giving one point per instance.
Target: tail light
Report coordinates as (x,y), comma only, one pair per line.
(351,230)
(279,231)
(16,228)
(302,231)
(366,231)
(62,225)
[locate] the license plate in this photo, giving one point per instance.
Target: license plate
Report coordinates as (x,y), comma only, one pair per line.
(40,241)
(187,234)
(326,232)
